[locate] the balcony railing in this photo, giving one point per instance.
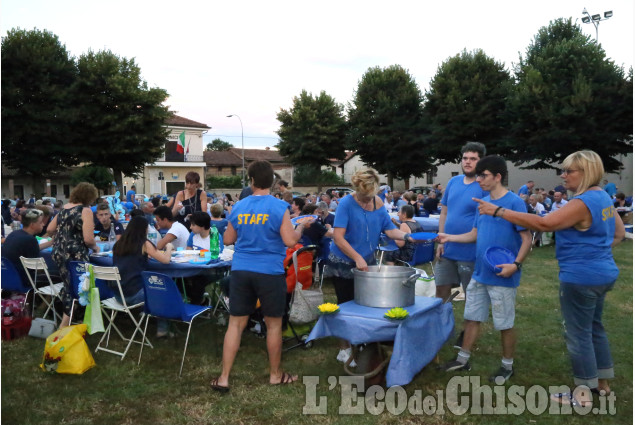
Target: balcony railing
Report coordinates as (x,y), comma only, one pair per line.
(176,157)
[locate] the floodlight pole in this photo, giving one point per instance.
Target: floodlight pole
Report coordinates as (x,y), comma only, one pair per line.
(242,139)
(596,22)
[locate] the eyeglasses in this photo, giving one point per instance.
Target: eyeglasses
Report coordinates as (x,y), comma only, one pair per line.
(484,175)
(567,171)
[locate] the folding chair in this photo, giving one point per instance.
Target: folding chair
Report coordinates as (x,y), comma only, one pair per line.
(163,300)
(51,290)
(11,279)
(424,253)
(116,307)
(75,270)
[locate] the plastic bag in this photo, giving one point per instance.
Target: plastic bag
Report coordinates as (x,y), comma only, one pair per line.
(425,286)
(65,351)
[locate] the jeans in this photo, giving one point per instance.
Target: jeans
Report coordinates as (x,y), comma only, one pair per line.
(586,339)
(162,324)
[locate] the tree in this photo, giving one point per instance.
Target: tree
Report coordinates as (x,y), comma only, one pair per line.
(466,102)
(218,145)
(307,175)
(38,108)
(101,177)
(122,121)
(385,123)
(312,131)
(569,97)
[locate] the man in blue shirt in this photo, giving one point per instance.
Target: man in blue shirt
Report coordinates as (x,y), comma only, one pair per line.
(456,261)
(487,286)
(130,195)
(610,188)
(526,188)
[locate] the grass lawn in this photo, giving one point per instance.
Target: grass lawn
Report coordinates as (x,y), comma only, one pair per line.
(120,392)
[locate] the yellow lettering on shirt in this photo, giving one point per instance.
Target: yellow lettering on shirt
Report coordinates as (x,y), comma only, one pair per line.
(264,218)
(253,219)
(258,218)
(607,213)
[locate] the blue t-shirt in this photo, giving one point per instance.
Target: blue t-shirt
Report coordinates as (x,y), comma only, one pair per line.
(363,228)
(585,258)
(460,216)
(611,189)
(130,196)
(524,190)
(495,231)
(259,247)
(220,225)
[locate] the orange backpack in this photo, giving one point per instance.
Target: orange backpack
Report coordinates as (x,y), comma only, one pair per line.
(305,270)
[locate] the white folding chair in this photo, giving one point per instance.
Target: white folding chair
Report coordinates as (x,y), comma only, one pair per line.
(116,307)
(51,290)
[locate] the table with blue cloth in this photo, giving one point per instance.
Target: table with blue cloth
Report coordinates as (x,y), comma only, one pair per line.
(429,224)
(417,339)
(173,270)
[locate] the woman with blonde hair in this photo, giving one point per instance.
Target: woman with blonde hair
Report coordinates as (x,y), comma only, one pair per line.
(587,227)
(73,228)
(359,222)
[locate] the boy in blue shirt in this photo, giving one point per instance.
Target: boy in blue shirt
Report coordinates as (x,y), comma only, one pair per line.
(487,287)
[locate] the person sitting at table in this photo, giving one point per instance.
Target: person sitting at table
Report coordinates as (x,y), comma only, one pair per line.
(217,221)
(177,233)
(431,203)
(74,234)
(46,220)
(260,228)
(622,202)
(316,231)
(406,248)
(325,216)
(359,222)
(22,243)
(104,222)
(533,206)
(130,256)
(296,207)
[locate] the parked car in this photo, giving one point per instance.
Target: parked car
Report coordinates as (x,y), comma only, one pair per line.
(420,189)
(346,190)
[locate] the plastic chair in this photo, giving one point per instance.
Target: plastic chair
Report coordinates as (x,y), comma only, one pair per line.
(11,279)
(424,253)
(112,274)
(51,290)
(75,270)
(163,300)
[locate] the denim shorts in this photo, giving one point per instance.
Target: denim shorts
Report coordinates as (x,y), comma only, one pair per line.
(451,272)
(478,299)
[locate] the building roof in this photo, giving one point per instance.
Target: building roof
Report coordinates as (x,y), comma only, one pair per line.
(222,158)
(337,162)
(270,155)
(177,121)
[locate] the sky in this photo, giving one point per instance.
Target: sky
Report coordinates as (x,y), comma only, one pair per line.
(250,58)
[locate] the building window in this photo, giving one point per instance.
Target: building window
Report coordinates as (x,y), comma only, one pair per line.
(54,190)
(455,173)
(233,171)
(220,169)
(67,191)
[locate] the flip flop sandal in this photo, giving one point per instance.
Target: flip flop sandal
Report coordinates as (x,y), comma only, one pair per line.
(286,379)
(221,389)
(568,399)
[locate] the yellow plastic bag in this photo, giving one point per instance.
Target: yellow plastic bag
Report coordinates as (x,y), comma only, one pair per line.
(65,351)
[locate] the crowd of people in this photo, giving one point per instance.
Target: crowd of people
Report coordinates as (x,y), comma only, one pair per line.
(476,212)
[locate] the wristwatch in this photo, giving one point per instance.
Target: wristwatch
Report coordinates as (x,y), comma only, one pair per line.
(519,265)
(407,236)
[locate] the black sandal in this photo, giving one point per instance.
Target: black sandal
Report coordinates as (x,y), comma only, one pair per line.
(220,388)
(286,379)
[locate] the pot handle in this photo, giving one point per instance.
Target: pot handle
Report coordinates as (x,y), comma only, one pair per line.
(410,282)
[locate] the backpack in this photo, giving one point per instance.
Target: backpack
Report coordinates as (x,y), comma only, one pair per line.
(304,274)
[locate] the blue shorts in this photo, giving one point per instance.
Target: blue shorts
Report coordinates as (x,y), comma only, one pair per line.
(478,299)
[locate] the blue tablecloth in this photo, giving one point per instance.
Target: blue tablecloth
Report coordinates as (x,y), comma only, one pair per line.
(417,339)
(429,224)
(173,270)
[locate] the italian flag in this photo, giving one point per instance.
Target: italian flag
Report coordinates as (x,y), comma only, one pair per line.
(180,146)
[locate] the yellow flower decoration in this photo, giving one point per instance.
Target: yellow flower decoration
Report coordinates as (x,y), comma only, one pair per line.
(396,313)
(328,308)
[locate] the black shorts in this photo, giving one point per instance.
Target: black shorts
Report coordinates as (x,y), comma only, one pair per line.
(248,287)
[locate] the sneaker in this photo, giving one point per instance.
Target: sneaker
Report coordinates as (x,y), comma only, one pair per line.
(459,341)
(455,365)
(501,375)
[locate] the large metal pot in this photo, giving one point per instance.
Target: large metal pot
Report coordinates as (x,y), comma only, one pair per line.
(390,286)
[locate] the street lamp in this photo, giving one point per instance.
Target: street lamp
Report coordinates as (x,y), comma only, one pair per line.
(595,19)
(242,139)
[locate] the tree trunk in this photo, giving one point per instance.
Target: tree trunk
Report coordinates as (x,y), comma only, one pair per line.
(390,179)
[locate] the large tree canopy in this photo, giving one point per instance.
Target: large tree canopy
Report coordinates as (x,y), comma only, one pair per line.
(569,97)
(385,123)
(37,103)
(466,102)
(122,121)
(312,131)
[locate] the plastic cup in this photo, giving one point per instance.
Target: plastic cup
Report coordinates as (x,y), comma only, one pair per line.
(180,248)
